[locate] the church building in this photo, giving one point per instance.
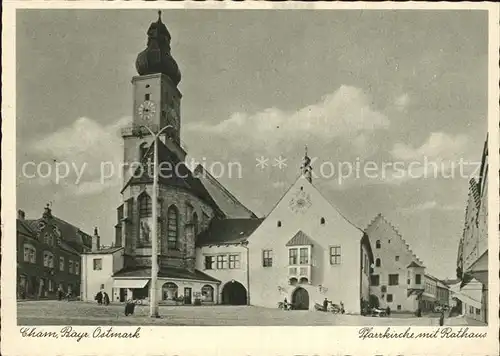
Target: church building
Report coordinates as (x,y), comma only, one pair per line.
(211,248)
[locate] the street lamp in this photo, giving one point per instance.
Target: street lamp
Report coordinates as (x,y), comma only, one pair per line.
(153,304)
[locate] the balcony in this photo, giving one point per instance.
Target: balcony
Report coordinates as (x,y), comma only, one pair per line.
(299,274)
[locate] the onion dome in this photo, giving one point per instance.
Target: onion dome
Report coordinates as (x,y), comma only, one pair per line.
(156,58)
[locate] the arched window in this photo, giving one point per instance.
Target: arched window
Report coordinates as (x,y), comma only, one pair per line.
(173,227)
(145,210)
(322,221)
(169,291)
(377,244)
(195,223)
(207,293)
(143,148)
(304,280)
(377,262)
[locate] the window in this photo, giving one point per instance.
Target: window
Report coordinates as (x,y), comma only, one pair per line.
(209,262)
(393,279)
(143,148)
(97,264)
(375,280)
(335,255)
(50,285)
(399,306)
(102,286)
(397,258)
(322,221)
(169,291)
(48,259)
(195,223)
(207,293)
(389,241)
(377,244)
(267,258)
(29,253)
(377,262)
(48,239)
(234,261)
(304,256)
(279,223)
(145,209)
(147,96)
(418,279)
(61,263)
(221,261)
(173,227)
(471,310)
(70,266)
(389,298)
(292,256)
(478,311)
(77,268)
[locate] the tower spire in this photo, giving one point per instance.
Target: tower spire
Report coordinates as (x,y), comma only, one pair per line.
(306,167)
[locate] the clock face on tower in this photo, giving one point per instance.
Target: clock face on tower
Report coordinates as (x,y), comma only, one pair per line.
(147,110)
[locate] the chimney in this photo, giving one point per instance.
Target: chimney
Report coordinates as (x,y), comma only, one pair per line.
(96,241)
(21,215)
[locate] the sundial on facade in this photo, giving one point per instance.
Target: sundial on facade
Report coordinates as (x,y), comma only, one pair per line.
(300,202)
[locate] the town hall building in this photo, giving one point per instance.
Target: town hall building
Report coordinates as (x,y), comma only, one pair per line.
(211,248)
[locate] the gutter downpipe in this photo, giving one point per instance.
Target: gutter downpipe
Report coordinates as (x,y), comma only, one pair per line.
(245,245)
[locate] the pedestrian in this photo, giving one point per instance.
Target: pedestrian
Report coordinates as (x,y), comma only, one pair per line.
(325,305)
(98,298)
(342,310)
(106,298)
(59,293)
(285,304)
(388,311)
(68,296)
(441,319)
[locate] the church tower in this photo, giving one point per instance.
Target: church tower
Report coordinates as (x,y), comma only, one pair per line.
(156,99)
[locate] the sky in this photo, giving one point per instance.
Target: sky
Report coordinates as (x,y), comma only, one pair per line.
(380,88)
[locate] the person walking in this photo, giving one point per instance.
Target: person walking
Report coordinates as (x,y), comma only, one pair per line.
(441,319)
(325,305)
(59,293)
(98,298)
(106,298)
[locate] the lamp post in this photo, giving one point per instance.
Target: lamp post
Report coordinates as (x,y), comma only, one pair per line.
(153,304)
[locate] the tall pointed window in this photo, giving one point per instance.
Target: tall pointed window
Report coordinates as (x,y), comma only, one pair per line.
(145,210)
(195,223)
(173,227)
(143,148)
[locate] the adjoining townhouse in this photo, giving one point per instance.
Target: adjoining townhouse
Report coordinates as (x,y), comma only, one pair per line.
(472,259)
(48,256)
(398,274)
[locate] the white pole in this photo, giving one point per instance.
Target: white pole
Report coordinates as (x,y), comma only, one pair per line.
(153,305)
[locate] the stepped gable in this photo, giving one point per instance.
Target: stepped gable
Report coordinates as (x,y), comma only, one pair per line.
(72,238)
(173,172)
(474,191)
(380,217)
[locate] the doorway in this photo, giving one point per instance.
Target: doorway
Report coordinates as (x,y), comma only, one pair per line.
(300,299)
(187,295)
(234,293)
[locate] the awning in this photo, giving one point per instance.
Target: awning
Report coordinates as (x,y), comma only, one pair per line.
(130,283)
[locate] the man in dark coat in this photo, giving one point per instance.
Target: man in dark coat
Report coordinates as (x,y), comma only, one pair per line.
(59,293)
(98,297)
(106,298)
(325,305)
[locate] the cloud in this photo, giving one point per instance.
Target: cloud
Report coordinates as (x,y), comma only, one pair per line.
(439,145)
(344,113)
(431,205)
(402,102)
(83,146)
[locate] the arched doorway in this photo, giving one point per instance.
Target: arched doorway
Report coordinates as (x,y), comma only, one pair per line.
(234,293)
(300,299)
